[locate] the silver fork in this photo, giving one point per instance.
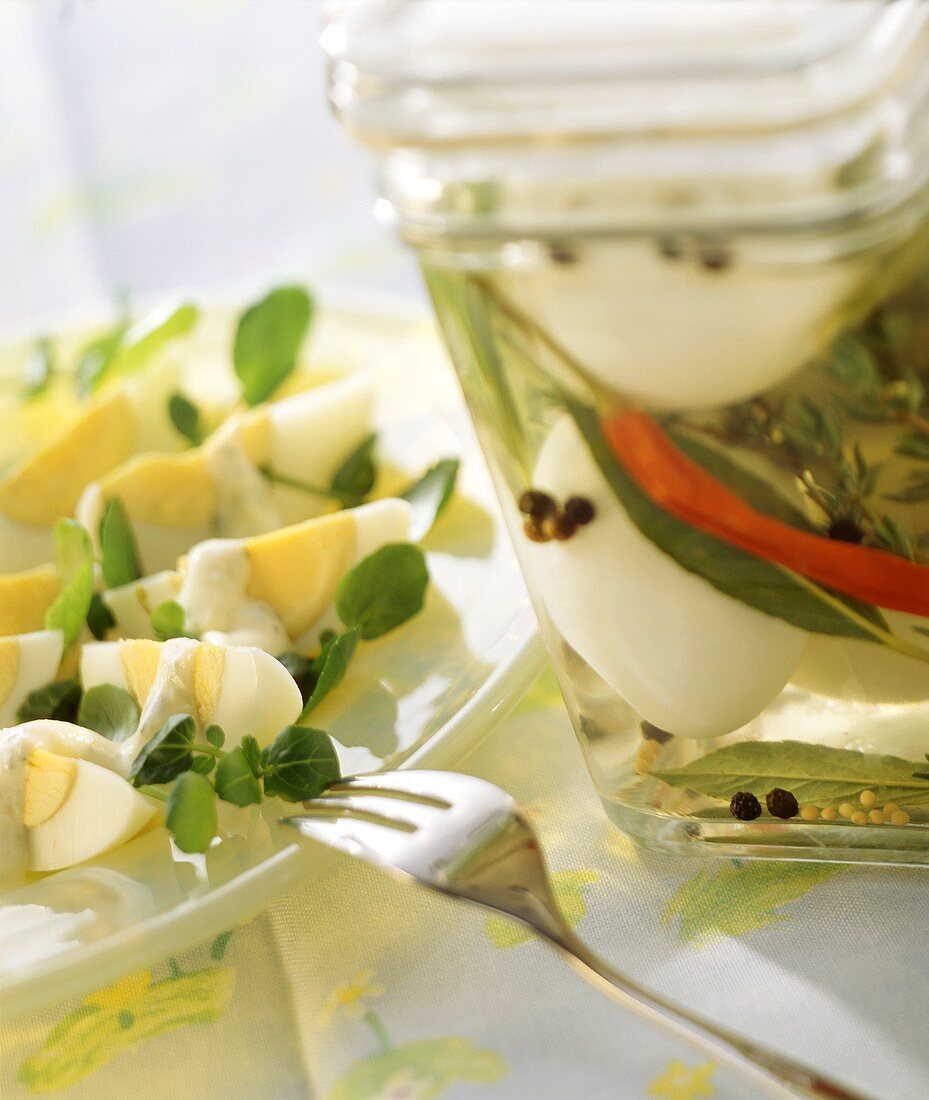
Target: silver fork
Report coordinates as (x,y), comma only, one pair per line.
(465,837)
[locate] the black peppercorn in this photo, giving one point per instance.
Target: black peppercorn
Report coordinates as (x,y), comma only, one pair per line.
(654,733)
(537,505)
(670,248)
(579,510)
(560,526)
(535,531)
(715,257)
(745,806)
(562,254)
(845,529)
(781,803)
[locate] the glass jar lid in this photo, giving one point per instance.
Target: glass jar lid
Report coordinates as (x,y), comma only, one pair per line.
(503,115)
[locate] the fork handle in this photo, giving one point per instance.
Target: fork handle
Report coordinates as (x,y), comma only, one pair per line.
(775,1074)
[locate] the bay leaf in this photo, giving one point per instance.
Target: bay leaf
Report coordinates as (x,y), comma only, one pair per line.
(761,584)
(816,774)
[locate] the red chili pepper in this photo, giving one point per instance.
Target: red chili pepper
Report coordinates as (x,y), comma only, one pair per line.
(680,486)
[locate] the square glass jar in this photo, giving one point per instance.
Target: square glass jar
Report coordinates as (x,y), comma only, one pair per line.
(680,255)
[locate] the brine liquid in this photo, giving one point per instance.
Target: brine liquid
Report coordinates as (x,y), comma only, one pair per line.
(803,390)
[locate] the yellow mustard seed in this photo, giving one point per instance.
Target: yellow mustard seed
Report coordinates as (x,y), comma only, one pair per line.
(809,813)
(891,808)
(859,817)
(900,817)
(846,810)
(877,817)
(867,799)
(830,813)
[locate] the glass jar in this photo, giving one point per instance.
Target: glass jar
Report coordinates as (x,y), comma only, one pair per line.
(680,255)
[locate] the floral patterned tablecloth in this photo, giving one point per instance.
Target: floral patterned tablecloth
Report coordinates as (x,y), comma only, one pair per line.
(146,144)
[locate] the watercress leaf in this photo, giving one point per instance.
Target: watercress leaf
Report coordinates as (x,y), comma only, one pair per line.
(203,765)
(383,590)
(59,700)
(430,495)
(752,580)
(300,764)
(110,710)
(299,668)
(94,362)
(267,340)
(252,752)
(335,658)
(235,779)
(216,736)
(100,618)
(119,555)
(355,478)
(191,813)
(76,572)
(152,332)
(168,620)
(185,416)
(39,368)
(813,773)
(167,754)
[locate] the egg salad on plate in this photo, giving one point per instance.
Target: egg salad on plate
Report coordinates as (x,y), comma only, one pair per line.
(185,573)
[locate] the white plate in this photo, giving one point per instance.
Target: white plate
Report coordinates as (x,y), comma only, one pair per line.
(422,696)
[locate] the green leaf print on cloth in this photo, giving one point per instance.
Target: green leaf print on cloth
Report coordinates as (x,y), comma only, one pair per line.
(733,901)
(568,888)
(419,1070)
(115,1018)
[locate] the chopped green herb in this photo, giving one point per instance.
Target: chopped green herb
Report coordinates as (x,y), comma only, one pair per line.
(355,478)
(168,621)
(268,339)
(185,416)
(110,710)
(191,813)
(328,669)
(58,700)
(300,764)
(235,779)
(75,568)
(384,590)
(95,360)
(167,754)
(119,553)
(100,618)
(430,495)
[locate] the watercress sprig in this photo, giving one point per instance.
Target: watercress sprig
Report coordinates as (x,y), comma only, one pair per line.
(268,339)
(298,765)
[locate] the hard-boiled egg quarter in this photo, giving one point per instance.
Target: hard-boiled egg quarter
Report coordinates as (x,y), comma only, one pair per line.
(25,597)
(27,662)
(687,657)
(242,689)
(47,484)
(177,500)
(290,574)
(75,810)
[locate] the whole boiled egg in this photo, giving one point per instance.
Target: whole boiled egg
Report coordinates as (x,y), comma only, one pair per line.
(687,657)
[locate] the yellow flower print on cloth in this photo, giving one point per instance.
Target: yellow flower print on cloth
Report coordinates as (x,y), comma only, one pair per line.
(680,1082)
(421,1070)
(114,1019)
(352,999)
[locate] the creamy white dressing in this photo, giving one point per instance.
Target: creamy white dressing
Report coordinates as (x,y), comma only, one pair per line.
(217,607)
(172,691)
(245,505)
